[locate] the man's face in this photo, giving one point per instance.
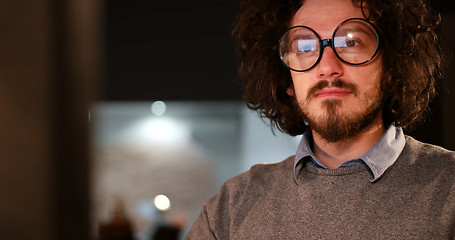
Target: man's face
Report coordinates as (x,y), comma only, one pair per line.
(336,99)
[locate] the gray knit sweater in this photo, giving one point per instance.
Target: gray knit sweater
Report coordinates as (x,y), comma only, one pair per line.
(415,199)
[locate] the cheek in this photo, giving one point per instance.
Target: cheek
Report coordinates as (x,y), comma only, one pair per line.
(300,92)
(374,84)
(300,85)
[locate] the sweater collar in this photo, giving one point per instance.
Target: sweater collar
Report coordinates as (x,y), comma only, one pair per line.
(378,159)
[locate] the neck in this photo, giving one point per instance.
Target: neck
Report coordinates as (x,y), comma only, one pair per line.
(334,154)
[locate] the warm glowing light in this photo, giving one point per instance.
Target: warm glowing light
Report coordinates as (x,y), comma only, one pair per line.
(158,108)
(163,130)
(162,202)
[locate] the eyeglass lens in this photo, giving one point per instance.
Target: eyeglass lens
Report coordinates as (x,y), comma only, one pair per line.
(355,41)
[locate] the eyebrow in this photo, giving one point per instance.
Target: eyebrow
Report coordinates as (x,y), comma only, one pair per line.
(302,36)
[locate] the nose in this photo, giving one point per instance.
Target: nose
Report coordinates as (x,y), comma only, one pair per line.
(329,66)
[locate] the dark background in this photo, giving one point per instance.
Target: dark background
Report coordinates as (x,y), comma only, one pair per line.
(182,50)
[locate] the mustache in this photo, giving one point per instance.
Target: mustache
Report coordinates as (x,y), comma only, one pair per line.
(338,83)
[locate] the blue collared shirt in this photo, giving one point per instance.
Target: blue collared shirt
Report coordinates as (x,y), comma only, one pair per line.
(378,159)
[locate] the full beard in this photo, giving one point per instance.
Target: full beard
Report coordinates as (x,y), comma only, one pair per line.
(333,125)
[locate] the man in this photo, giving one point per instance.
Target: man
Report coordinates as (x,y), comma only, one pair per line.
(349,75)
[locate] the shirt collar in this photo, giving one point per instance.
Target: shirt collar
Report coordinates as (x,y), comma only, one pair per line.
(378,159)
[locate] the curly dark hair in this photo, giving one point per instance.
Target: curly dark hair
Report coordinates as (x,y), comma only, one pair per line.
(410,48)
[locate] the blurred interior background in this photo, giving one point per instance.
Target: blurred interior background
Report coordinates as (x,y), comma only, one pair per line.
(123,117)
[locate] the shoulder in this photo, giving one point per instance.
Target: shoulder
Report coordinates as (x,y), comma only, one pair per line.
(238,195)
(428,159)
(259,172)
(420,150)
(260,177)
(224,212)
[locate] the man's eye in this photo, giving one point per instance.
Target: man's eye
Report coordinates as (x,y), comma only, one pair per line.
(344,42)
(351,43)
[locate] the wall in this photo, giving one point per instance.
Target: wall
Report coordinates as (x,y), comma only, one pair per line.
(185,154)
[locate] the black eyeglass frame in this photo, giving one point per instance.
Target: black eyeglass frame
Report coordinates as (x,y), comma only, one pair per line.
(329,42)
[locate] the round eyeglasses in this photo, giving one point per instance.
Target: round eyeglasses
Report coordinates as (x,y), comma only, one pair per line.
(355,41)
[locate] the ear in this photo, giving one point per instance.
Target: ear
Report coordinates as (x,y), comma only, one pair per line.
(290,91)
(388,78)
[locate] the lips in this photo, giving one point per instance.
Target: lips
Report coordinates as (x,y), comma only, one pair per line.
(332,92)
(336,89)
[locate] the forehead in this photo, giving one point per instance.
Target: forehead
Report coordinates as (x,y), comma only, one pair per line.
(325,15)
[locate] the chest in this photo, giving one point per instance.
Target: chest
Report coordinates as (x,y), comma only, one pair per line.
(334,208)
